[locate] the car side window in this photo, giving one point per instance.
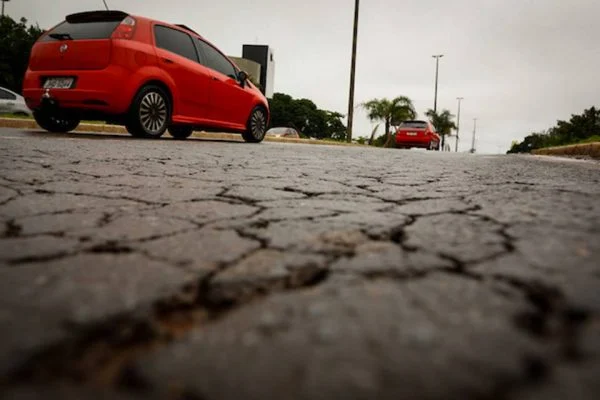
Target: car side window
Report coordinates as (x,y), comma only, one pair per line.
(215,60)
(4,95)
(175,41)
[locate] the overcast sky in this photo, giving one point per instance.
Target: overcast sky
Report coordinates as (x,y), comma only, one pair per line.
(519,64)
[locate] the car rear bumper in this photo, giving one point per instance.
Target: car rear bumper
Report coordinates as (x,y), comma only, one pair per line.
(97,90)
(414,141)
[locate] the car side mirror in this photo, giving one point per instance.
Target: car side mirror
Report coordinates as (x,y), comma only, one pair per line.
(242,77)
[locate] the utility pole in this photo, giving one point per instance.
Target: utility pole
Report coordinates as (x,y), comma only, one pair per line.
(104,1)
(352,75)
(3,1)
(474,129)
(437,64)
(457,124)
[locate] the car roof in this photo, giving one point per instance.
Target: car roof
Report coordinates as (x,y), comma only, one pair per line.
(415,120)
(181,27)
(119,15)
(8,90)
(282,129)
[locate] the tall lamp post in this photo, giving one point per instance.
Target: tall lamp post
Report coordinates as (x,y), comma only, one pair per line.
(3,1)
(352,74)
(437,64)
(457,124)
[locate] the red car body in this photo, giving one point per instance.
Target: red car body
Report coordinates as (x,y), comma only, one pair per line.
(100,64)
(417,134)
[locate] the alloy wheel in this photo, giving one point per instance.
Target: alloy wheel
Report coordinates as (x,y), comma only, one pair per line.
(258,124)
(153,112)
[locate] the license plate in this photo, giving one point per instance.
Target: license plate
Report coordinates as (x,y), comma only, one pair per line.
(411,133)
(58,83)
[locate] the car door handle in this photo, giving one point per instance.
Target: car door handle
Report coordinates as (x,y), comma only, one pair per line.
(168,61)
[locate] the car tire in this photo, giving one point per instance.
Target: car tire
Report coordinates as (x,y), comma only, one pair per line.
(132,131)
(256,127)
(150,113)
(180,131)
(55,124)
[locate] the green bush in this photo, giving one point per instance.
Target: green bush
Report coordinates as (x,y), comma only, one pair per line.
(582,128)
(16,41)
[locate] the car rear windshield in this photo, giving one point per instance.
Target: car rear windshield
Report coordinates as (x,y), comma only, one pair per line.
(414,124)
(82,30)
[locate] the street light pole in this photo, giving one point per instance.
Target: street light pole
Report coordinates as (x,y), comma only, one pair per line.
(437,64)
(352,74)
(3,1)
(457,124)
(105,5)
(474,129)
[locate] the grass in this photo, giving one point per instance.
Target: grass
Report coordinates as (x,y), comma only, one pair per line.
(16,116)
(591,139)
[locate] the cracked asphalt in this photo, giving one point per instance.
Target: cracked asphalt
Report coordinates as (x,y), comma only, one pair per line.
(135,269)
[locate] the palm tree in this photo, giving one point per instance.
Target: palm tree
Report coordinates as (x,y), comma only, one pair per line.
(373,133)
(390,112)
(443,123)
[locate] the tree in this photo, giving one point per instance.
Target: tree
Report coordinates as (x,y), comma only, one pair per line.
(443,123)
(16,41)
(304,116)
(335,127)
(373,133)
(390,112)
(579,128)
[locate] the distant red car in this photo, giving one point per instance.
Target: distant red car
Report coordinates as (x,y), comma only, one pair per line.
(417,134)
(147,75)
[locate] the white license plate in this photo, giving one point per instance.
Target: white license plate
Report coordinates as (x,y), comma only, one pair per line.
(411,133)
(58,83)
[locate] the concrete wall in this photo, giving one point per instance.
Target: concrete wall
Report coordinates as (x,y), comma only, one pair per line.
(263,55)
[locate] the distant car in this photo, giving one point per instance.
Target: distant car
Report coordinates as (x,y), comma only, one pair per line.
(145,74)
(283,133)
(12,103)
(417,133)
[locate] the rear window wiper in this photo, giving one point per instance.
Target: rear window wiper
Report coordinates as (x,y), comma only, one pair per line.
(61,36)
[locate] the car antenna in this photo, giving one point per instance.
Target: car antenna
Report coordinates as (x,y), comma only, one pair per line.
(105,5)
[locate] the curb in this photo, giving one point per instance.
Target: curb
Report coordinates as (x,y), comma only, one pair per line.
(19,123)
(575,150)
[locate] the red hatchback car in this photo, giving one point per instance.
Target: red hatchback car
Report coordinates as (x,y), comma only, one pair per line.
(417,134)
(147,75)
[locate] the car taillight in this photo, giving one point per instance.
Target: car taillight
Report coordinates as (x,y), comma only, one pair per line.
(125,29)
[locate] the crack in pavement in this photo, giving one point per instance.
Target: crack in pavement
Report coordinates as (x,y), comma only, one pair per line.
(99,196)
(12,229)
(102,353)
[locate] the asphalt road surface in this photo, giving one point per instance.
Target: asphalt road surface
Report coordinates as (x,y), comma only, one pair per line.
(204,270)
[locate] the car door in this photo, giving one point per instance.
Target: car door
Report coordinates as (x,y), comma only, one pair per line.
(7,101)
(231,100)
(178,57)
